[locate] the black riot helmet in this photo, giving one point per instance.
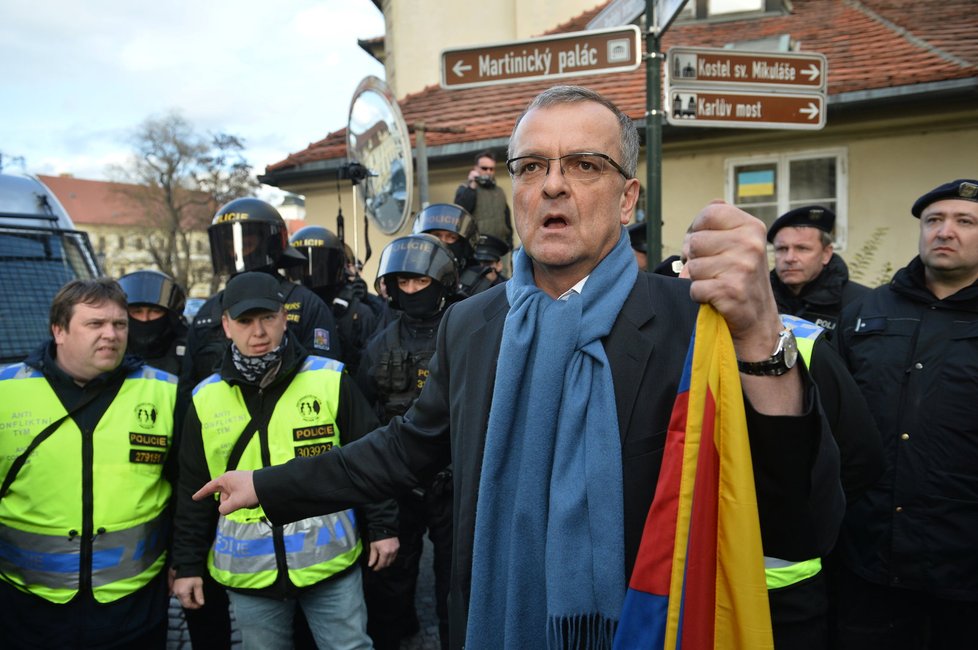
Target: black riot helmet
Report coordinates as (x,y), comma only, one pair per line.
(249,234)
(154,288)
(452,218)
(325,264)
(418,255)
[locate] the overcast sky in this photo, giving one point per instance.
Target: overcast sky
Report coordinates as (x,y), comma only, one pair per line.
(79,77)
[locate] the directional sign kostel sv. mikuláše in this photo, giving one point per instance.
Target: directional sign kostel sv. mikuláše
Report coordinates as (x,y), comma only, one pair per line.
(737,89)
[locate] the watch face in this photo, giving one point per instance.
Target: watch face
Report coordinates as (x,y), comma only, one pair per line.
(790,349)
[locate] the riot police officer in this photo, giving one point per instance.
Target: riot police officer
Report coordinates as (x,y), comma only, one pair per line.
(157,329)
(249,234)
(325,272)
(457,230)
(421,278)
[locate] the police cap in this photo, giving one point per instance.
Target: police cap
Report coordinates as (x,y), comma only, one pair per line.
(962,189)
(811,216)
(490,248)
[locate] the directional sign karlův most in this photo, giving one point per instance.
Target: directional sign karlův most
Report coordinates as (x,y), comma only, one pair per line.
(700,66)
(709,107)
(549,57)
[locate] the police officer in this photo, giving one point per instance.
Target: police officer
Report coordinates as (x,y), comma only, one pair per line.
(457,230)
(325,272)
(157,329)
(270,402)
(246,234)
(810,280)
(84,483)
(490,251)
(249,234)
(910,577)
(420,276)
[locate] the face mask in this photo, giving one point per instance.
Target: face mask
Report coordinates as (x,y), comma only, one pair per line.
(423,304)
(149,339)
(458,249)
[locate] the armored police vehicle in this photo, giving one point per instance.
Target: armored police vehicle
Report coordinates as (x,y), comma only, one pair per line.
(40,251)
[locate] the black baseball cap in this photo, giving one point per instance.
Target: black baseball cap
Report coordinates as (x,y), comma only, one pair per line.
(250,291)
(810,216)
(962,189)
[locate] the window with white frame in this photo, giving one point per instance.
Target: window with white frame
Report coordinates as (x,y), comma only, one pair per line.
(768,186)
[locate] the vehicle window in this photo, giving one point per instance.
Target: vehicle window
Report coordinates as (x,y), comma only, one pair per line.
(33,266)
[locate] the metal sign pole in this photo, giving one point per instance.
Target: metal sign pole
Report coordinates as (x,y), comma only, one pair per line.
(653,138)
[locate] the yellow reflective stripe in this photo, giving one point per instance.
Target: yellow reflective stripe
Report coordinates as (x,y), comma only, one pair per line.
(782,573)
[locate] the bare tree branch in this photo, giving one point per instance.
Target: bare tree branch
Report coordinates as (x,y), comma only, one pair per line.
(179,178)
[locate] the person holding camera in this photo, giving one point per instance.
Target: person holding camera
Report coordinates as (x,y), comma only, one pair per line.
(485,200)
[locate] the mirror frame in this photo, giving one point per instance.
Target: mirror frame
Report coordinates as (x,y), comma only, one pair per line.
(384,170)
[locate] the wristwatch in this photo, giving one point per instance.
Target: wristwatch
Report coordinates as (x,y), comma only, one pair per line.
(781,361)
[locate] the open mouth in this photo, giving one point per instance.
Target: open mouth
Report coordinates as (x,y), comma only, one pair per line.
(554,222)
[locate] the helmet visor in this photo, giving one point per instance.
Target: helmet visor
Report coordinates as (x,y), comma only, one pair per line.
(144,288)
(323,267)
(238,246)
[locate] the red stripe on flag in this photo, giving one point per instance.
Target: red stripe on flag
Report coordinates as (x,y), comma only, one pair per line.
(653,566)
(699,598)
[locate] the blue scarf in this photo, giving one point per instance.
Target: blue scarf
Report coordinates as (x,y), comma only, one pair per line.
(548,564)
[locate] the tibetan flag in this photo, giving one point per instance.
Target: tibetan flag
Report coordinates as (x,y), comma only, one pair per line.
(698,582)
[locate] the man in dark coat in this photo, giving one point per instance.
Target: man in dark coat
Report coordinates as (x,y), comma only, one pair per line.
(809,279)
(571,207)
(910,576)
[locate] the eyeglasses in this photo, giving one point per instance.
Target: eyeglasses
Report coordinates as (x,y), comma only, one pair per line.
(486,169)
(584,166)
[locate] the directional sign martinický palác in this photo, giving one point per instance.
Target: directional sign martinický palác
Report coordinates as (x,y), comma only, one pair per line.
(549,57)
(737,89)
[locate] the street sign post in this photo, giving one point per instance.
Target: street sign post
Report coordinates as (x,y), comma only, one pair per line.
(549,57)
(711,87)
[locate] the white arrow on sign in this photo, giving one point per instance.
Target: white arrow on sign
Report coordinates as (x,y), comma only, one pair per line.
(811,111)
(458,68)
(812,72)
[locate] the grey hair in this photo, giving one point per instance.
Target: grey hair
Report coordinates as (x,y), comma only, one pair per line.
(557,95)
(825,238)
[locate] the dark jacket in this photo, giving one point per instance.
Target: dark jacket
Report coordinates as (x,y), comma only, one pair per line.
(395,364)
(849,418)
(823,299)
(915,358)
(795,461)
(196,520)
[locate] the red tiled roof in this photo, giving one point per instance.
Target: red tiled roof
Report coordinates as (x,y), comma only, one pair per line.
(870,45)
(106,203)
